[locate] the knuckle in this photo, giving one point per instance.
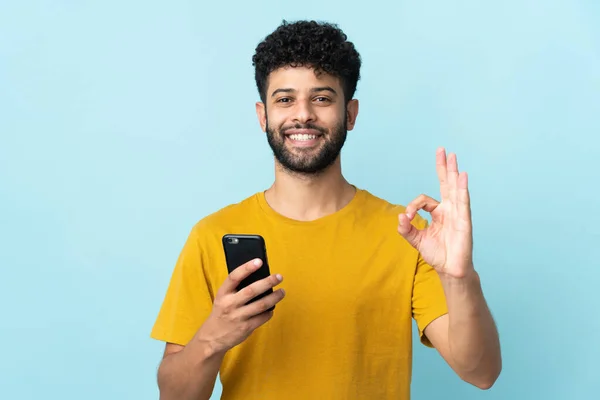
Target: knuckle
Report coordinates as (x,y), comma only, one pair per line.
(218,302)
(245,327)
(224,306)
(250,291)
(233,279)
(263,305)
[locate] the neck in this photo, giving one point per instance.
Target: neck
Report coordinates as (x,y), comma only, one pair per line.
(309,197)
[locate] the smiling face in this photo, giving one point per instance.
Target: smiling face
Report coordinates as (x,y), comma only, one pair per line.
(306,118)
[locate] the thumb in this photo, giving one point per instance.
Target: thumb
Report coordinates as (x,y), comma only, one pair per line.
(408,231)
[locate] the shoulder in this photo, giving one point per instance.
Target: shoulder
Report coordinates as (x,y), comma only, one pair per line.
(227,216)
(387,210)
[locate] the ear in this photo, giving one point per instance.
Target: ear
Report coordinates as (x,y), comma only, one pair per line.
(351,113)
(261,113)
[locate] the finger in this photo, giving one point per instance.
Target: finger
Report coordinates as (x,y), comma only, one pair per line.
(463,197)
(408,231)
(257,288)
(452,167)
(238,275)
(423,202)
(260,306)
(442,172)
(258,320)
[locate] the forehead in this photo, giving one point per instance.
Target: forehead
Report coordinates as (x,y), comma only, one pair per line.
(300,79)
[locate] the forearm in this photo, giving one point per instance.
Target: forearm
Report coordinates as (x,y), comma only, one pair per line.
(189,374)
(472,334)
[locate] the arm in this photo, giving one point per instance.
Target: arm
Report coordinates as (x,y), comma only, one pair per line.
(467,337)
(188,372)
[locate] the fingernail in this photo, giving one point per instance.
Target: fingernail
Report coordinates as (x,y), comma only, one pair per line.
(279,277)
(283,292)
(257,262)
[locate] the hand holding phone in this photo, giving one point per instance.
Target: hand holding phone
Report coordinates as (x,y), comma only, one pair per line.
(241,305)
(239,249)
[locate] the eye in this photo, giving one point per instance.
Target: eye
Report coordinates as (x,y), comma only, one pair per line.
(284,100)
(321,99)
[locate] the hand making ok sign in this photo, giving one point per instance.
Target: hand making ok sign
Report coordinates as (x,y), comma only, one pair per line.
(447,243)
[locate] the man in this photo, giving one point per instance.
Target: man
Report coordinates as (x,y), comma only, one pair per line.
(357,269)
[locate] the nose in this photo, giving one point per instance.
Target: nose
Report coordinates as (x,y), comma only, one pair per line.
(304,112)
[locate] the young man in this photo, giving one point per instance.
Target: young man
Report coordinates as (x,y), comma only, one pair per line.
(357,269)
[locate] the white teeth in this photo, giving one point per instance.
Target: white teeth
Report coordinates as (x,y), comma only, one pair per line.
(303,137)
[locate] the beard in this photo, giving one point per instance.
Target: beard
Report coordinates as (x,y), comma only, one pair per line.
(309,161)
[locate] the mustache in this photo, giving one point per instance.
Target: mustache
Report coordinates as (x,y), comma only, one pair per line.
(323,131)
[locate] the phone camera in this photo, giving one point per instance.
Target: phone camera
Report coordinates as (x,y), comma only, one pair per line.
(233,240)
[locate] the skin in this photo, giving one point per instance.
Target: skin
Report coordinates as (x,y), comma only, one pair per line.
(190,372)
(298,97)
(466,337)
(307,197)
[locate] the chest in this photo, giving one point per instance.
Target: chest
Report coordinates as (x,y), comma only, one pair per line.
(354,272)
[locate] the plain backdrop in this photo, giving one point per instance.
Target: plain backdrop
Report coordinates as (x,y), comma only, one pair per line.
(122,123)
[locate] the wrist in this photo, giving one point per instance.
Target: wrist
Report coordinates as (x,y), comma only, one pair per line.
(467,278)
(208,348)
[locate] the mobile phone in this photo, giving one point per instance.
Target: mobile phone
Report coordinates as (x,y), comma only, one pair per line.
(239,249)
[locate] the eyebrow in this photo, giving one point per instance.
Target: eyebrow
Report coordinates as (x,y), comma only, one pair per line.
(313,90)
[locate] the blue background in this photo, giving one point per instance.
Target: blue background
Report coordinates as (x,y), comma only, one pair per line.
(123,123)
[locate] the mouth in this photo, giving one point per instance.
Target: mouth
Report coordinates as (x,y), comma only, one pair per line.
(303,137)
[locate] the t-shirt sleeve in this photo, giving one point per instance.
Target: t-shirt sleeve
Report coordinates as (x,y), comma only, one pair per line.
(428,299)
(188,300)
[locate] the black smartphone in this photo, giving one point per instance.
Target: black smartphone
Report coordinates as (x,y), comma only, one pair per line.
(239,249)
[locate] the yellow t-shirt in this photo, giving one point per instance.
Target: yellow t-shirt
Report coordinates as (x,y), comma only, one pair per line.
(344,329)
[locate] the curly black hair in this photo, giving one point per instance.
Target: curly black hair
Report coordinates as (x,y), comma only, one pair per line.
(319,45)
